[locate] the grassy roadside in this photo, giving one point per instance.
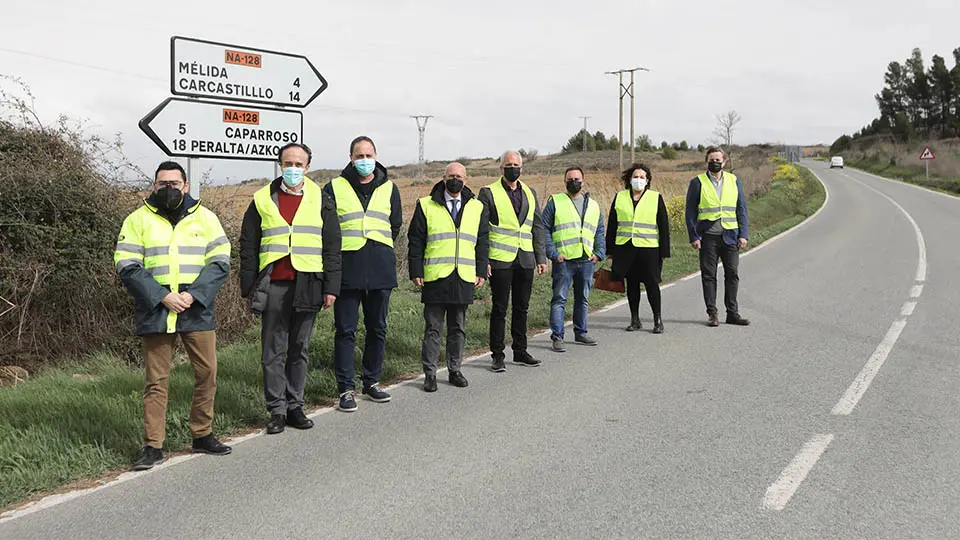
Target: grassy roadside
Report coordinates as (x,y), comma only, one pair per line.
(59,426)
(910,175)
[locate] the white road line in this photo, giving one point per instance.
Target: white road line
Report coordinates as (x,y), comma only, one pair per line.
(53,500)
(781,491)
(861,383)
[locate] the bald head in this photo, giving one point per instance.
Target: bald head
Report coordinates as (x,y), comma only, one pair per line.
(455,170)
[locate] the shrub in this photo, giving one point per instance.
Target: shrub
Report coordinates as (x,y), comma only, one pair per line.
(669,153)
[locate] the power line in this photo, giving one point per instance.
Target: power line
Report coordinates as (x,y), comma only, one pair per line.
(626,90)
(421,128)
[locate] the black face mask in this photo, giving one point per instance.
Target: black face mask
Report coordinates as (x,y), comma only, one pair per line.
(574,186)
(453,185)
(715,166)
(168,198)
(511,173)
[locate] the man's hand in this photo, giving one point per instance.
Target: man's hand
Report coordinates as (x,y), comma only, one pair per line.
(741,243)
(695,244)
(560,259)
(328,300)
(594,259)
(418,281)
(187,298)
(541,268)
(477,283)
(489,270)
(174,302)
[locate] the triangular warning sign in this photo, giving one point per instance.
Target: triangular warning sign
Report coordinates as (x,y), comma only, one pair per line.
(927,154)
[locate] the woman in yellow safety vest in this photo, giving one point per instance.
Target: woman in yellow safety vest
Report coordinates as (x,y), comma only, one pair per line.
(638,239)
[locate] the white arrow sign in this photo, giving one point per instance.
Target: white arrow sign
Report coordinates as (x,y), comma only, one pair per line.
(191,128)
(217,70)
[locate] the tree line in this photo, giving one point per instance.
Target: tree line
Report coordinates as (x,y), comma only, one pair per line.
(598,141)
(916,101)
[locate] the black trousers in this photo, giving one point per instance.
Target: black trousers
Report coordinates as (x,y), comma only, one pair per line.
(712,248)
(502,282)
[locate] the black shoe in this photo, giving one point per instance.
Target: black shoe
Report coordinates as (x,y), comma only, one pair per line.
(296,419)
(584,339)
(523,358)
(276,424)
(457,379)
(657,325)
(635,324)
(210,445)
(498,365)
(714,320)
(148,457)
(374,393)
(735,318)
(430,383)
(348,401)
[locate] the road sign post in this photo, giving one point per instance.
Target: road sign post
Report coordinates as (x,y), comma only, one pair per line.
(927,156)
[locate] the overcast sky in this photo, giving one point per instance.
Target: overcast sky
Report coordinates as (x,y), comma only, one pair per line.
(495,74)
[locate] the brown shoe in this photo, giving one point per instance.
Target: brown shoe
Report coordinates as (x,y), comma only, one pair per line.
(714,320)
(735,318)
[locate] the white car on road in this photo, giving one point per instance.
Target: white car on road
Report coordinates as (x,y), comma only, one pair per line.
(836,161)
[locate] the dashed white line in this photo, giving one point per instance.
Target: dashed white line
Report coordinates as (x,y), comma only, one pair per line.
(781,491)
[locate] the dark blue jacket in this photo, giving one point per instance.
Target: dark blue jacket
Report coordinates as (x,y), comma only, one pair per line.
(548,215)
(696,228)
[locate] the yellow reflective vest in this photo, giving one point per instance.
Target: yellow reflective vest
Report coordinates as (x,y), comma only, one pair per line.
(356,225)
(724,208)
(174,256)
(509,235)
(573,236)
(302,241)
(449,248)
(637,225)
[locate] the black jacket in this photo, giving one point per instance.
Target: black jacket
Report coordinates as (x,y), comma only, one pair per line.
(374,266)
(526,259)
(310,286)
(624,255)
(451,289)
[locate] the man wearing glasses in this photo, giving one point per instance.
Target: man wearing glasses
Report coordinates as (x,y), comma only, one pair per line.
(172,256)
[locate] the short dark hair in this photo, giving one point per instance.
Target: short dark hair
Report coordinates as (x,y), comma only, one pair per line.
(171,166)
(288,146)
(362,138)
(628,174)
(713,150)
(572,168)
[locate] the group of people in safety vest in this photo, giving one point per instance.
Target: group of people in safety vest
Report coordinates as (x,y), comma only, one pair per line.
(304,248)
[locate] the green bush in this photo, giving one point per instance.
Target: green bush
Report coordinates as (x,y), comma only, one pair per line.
(669,153)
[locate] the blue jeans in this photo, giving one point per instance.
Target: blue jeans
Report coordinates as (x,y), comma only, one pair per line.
(580,274)
(346,315)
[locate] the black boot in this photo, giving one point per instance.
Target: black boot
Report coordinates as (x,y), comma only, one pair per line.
(635,323)
(657,324)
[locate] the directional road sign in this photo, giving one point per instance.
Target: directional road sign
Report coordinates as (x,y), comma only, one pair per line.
(231,72)
(191,128)
(927,154)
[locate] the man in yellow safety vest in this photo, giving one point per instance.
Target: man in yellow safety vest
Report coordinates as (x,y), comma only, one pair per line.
(516,249)
(173,256)
(717,224)
(575,243)
(448,244)
(289,270)
(369,209)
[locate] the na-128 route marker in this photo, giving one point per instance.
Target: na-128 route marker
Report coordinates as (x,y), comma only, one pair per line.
(207,69)
(201,129)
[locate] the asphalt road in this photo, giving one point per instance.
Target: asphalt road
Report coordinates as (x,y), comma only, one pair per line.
(697,433)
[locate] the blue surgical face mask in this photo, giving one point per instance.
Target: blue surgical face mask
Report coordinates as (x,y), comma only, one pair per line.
(365,166)
(292,176)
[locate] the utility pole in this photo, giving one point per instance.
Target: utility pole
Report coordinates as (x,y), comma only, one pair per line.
(626,90)
(585,131)
(421,128)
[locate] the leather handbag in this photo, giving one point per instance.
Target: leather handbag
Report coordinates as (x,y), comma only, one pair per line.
(602,281)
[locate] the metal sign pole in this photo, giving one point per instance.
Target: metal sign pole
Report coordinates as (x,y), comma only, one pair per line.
(927,161)
(193,169)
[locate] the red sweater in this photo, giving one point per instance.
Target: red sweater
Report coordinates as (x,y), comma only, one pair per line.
(283,269)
